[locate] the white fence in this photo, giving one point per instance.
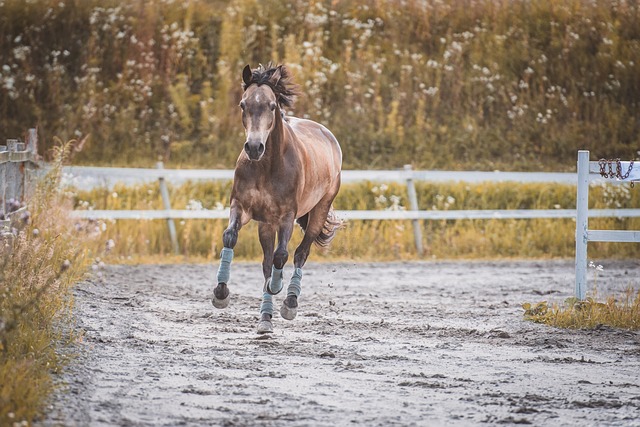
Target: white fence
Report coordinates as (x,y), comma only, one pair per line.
(88,177)
(621,171)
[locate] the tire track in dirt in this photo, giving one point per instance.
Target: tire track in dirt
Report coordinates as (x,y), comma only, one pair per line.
(374,344)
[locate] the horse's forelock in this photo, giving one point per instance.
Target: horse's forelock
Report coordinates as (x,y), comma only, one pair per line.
(279,79)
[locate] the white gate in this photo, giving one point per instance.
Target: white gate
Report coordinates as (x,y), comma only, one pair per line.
(621,171)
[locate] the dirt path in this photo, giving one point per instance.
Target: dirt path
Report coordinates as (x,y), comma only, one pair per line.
(383,344)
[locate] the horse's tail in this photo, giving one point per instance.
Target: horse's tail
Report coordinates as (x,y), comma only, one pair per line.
(331,225)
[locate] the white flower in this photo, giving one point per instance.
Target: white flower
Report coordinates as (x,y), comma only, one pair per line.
(194,205)
(431,91)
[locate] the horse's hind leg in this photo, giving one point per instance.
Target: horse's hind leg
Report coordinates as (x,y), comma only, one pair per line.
(315,224)
(267,235)
(229,239)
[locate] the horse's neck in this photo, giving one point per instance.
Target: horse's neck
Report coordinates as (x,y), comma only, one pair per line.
(277,141)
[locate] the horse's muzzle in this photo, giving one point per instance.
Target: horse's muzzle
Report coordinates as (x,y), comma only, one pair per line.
(254,150)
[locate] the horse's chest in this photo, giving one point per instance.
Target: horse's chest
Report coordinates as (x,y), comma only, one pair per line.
(264,205)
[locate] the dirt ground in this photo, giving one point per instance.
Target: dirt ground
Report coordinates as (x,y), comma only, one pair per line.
(379,344)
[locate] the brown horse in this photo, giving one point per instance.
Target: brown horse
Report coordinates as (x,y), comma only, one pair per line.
(288,170)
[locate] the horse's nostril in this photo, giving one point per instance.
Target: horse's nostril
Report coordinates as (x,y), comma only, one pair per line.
(246,147)
(260,148)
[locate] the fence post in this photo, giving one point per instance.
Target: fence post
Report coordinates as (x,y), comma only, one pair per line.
(413,203)
(3,178)
(582,224)
(13,174)
(164,192)
(30,166)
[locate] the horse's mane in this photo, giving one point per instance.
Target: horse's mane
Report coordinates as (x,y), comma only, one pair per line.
(279,79)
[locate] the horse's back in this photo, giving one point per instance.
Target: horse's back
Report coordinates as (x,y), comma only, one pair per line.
(317,139)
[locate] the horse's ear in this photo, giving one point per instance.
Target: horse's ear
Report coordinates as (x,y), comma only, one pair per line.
(246,75)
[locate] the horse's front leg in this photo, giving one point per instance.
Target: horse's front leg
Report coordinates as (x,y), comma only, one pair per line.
(267,235)
(229,240)
(275,283)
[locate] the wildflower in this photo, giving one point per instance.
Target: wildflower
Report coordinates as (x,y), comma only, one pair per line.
(194,205)
(431,91)
(598,267)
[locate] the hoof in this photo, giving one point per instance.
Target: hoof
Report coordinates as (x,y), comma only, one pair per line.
(289,307)
(265,326)
(221,296)
(267,287)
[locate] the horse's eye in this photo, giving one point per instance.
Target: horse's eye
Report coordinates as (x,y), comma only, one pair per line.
(272,106)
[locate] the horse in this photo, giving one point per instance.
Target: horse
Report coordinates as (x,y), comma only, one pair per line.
(288,171)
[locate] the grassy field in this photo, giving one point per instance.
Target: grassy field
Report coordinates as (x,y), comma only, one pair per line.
(379,240)
(464,85)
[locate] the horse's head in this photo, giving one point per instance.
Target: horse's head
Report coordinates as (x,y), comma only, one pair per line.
(265,91)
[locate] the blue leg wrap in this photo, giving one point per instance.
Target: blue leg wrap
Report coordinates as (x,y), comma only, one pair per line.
(277,276)
(295,286)
(267,304)
(224,270)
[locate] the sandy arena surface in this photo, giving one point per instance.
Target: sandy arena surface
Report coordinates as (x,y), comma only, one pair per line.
(377,344)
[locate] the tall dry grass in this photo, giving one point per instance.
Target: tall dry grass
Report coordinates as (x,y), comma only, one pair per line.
(622,312)
(44,255)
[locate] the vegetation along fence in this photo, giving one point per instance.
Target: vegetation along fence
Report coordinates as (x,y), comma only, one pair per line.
(17,177)
(87,177)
